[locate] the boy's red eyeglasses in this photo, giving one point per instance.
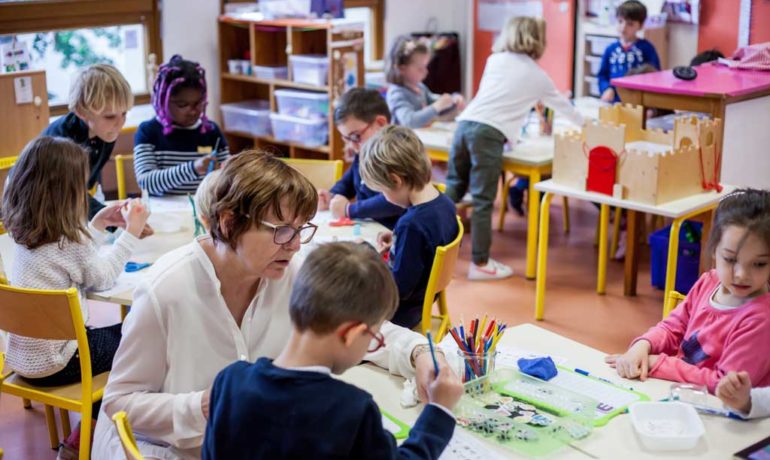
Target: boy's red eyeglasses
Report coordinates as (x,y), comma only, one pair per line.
(377,343)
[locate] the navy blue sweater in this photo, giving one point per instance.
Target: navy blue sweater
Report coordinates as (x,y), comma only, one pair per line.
(72,127)
(164,164)
(617,61)
(260,411)
(369,204)
(418,232)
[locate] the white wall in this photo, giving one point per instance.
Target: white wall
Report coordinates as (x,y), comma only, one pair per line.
(189,28)
(406,16)
(682,43)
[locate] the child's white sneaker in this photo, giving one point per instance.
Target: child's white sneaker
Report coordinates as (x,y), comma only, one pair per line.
(493,270)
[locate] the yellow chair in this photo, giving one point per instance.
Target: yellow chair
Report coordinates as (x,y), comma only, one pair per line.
(440,275)
(126,436)
(53,315)
(322,173)
(673,299)
(2,363)
(120,174)
(440,187)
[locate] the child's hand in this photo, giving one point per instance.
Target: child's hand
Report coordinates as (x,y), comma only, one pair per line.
(337,205)
(446,389)
(384,241)
(459,102)
(634,363)
(201,165)
(324,196)
(205,399)
(136,217)
(443,102)
(109,216)
(608,95)
(735,391)
(147,231)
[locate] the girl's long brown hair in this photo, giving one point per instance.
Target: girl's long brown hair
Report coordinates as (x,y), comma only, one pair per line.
(46,198)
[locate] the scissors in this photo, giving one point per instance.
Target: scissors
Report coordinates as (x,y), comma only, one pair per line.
(136,266)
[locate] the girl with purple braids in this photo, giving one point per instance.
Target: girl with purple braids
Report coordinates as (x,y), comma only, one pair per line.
(173,151)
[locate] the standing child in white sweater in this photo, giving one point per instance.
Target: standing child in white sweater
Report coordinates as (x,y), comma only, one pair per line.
(511,85)
(45,209)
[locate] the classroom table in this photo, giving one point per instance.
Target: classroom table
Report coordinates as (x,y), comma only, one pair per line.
(740,98)
(171,217)
(678,210)
(532,157)
(615,440)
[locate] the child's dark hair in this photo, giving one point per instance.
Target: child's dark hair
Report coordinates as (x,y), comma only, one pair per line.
(341,282)
(401,54)
(632,10)
(362,104)
(178,73)
(706,56)
(46,200)
(746,208)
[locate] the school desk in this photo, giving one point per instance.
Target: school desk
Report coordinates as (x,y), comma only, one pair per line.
(741,98)
(678,210)
(532,157)
(615,440)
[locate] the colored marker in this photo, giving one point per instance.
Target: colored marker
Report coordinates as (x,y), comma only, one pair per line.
(432,352)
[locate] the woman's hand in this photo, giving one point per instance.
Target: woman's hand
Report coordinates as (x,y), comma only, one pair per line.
(338,205)
(109,216)
(384,241)
(635,363)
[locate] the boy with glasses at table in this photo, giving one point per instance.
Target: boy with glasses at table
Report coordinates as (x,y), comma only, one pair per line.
(292,407)
(360,114)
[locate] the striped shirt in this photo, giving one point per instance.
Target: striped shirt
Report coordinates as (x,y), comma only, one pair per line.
(164,164)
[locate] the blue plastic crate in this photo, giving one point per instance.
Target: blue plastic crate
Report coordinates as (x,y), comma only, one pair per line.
(688,263)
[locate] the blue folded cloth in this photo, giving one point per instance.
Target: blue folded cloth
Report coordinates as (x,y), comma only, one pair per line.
(542,368)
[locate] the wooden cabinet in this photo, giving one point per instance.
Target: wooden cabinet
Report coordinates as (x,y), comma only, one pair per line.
(20,123)
(271,43)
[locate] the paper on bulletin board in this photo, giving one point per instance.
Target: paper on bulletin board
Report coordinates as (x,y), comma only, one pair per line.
(493,14)
(22,88)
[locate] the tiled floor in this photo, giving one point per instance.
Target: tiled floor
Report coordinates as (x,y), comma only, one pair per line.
(573,308)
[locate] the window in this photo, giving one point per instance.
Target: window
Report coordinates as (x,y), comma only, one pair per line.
(63,36)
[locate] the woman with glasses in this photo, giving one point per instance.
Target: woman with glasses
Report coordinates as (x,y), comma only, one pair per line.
(224,297)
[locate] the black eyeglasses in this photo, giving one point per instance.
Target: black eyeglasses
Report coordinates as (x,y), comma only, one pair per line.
(355,137)
(284,234)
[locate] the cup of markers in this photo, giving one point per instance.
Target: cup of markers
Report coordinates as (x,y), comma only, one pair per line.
(476,347)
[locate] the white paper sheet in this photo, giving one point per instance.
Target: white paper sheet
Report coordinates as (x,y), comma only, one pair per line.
(464,446)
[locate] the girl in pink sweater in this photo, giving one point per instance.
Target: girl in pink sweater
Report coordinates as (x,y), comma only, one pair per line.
(724,323)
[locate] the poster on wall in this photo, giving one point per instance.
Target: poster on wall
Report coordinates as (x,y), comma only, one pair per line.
(493,14)
(686,11)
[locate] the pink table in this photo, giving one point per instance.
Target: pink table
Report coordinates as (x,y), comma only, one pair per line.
(747,92)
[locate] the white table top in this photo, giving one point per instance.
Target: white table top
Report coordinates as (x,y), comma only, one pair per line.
(672,209)
(615,440)
(174,227)
(533,149)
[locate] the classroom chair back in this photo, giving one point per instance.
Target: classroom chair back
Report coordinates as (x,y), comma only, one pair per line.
(441,272)
(53,315)
(124,177)
(673,299)
(127,439)
(323,174)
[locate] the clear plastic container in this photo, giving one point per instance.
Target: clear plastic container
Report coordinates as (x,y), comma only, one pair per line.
(599,43)
(593,86)
(303,104)
(666,425)
(277,9)
(311,69)
(594,62)
(271,73)
(312,133)
(252,117)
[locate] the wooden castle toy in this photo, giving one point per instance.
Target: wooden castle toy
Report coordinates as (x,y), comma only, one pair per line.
(617,157)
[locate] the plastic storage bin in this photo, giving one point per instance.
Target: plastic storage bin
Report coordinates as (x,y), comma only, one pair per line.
(303,104)
(271,73)
(311,133)
(310,69)
(688,262)
(593,86)
(252,117)
(666,425)
(594,63)
(599,43)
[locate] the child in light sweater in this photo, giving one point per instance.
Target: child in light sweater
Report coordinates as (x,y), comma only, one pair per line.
(45,209)
(735,391)
(724,323)
(511,85)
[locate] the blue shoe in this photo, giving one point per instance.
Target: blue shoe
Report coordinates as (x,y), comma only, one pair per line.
(516,200)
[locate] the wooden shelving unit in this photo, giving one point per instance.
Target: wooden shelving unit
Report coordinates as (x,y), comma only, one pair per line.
(270,43)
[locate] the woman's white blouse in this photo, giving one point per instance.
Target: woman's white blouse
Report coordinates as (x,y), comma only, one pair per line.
(180,334)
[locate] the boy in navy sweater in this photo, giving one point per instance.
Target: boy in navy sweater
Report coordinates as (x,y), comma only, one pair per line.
(628,52)
(292,407)
(359,115)
(394,162)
